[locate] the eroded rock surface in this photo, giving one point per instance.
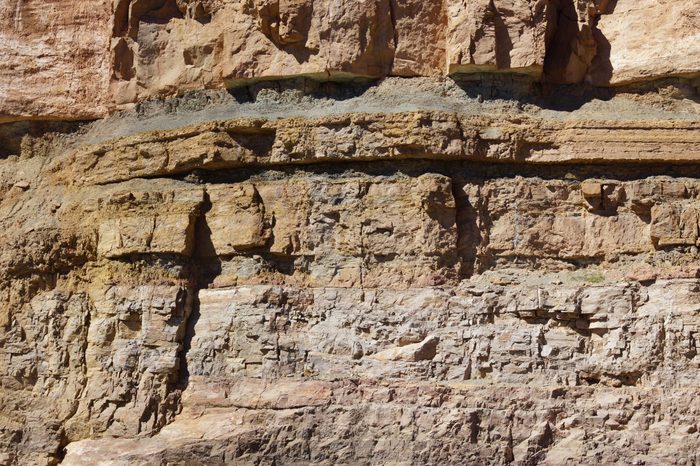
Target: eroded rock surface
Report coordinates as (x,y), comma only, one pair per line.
(291,239)
(85,59)
(55,60)
(350,289)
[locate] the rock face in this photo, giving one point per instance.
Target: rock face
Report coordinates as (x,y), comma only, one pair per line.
(628,54)
(490,269)
(81,59)
(55,59)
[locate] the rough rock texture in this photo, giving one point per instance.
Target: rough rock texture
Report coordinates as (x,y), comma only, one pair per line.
(409,287)
(81,59)
(500,268)
(631,53)
(54,58)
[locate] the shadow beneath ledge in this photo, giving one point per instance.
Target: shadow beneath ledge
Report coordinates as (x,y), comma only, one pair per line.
(330,87)
(12,134)
(527,90)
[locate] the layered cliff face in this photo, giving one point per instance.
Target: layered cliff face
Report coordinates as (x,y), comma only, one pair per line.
(365,232)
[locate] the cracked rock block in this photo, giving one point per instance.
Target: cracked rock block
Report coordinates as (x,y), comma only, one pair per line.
(568,221)
(223,44)
(419,37)
(132,358)
(109,361)
(503,35)
(350,232)
(82,59)
(132,222)
(55,60)
(674,224)
(498,334)
(627,54)
(236,219)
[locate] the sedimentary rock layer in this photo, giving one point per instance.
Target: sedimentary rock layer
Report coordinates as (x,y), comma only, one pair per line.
(351,290)
(349,232)
(83,59)
(361,137)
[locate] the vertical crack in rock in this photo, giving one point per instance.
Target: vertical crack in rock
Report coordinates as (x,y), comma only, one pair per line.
(206,265)
(467,229)
(423,270)
(503,44)
(576,48)
(392,17)
(294,345)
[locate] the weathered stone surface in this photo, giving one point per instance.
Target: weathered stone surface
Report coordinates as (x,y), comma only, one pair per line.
(95,56)
(362,137)
(627,53)
(503,35)
(54,59)
(145,221)
(555,369)
(426,414)
(491,269)
(237,299)
(308,231)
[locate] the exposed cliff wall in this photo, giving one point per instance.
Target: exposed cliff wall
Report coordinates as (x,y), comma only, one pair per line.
(76,59)
(485,268)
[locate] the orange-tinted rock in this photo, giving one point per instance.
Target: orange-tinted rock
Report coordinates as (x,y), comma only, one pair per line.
(420,37)
(646,39)
(54,59)
(496,35)
(83,59)
(571,42)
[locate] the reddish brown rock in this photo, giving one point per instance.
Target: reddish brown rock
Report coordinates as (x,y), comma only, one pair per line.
(646,39)
(54,59)
(415,271)
(84,59)
(503,35)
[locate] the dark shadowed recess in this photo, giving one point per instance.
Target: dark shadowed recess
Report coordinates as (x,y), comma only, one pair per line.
(577,52)
(480,86)
(206,265)
(12,134)
(563,97)
(469,170)
(334,89)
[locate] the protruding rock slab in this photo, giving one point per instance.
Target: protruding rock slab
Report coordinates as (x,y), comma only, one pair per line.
(646,39)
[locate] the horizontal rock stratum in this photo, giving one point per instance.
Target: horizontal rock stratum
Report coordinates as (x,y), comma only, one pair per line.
(383,232)
(81,59)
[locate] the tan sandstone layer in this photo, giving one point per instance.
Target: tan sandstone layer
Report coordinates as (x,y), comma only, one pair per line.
(365,288)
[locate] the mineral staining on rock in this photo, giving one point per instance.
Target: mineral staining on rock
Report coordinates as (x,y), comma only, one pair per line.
(314,268)
(55,60)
